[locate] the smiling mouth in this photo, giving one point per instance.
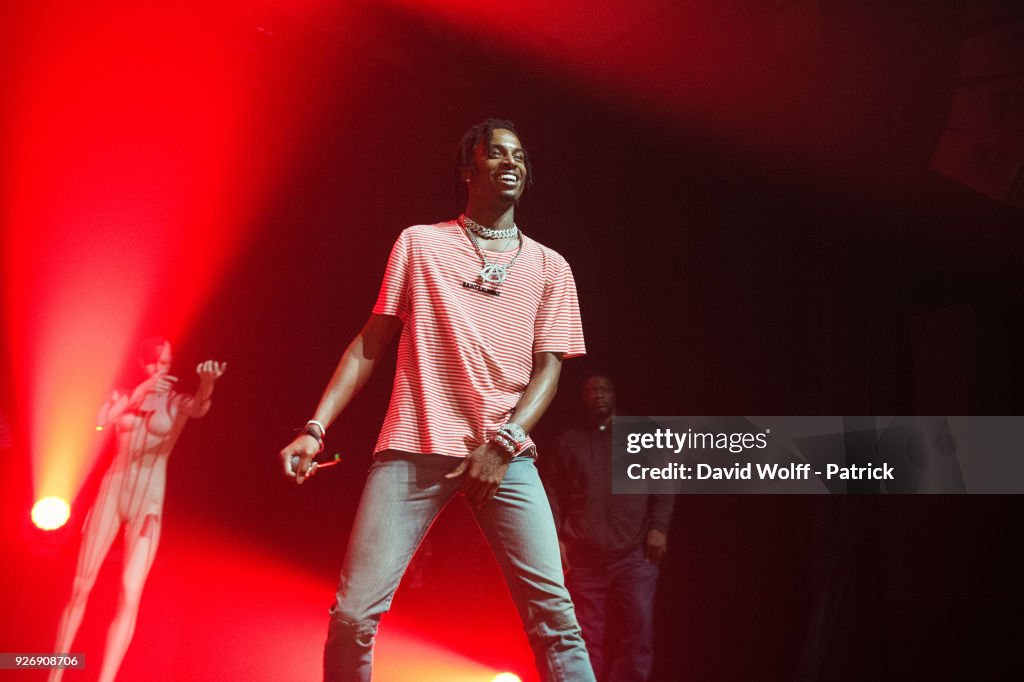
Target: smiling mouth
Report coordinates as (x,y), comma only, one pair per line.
(508,179)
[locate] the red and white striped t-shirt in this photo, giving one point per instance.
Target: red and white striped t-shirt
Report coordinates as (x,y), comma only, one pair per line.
(465,356)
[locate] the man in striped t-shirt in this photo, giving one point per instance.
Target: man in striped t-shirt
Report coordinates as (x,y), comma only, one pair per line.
(486,316)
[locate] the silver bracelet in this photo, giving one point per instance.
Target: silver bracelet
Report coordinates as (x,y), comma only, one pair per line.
(514,432)
(307,430)
(323,429)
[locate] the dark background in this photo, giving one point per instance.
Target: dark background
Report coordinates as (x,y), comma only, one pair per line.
(811,263)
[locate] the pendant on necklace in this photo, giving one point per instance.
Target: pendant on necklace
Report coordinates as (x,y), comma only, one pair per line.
(494,273)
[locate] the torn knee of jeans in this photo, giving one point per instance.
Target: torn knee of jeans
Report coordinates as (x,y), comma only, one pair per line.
(555,625)
(362,632)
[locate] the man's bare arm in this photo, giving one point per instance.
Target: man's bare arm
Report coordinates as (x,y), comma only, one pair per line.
(547,367)
(354,368)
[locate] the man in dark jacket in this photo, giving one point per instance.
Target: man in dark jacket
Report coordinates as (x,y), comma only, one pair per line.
(611,544)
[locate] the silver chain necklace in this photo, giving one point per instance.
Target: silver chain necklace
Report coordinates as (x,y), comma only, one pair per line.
(487,232)
(495,273)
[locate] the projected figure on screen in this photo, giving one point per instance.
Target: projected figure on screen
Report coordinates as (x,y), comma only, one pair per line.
(148,421)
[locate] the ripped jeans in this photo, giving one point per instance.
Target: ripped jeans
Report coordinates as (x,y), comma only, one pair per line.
(404,493)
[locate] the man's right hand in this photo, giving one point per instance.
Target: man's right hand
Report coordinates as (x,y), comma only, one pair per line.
(305,447)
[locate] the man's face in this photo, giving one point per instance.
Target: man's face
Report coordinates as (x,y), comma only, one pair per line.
(500,169)
(599,397)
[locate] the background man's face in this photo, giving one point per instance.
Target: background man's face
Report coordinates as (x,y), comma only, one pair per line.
(599,396)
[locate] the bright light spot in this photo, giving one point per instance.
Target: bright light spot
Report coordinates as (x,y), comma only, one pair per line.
(506,677)
(50,513)
(99,428)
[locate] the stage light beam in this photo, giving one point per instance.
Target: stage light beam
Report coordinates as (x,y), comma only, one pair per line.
(134,171)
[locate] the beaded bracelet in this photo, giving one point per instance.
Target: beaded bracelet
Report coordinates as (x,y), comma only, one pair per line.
(505,442)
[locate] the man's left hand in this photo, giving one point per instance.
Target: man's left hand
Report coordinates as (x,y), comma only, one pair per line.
(657,543)
(482,472)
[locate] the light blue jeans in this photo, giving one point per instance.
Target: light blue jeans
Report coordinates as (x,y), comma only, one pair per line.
(404,493)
